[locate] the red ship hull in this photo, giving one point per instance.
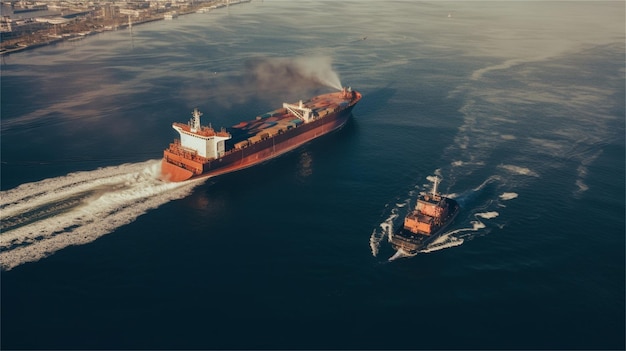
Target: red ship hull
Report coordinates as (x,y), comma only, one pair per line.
(176,167)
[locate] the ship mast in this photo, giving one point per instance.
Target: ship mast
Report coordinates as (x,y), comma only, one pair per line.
(435,184)
(299,111)
(194,123)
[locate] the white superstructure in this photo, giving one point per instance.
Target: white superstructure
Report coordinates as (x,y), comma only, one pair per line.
(204,141)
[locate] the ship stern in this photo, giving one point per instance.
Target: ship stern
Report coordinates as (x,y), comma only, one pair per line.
(173,173)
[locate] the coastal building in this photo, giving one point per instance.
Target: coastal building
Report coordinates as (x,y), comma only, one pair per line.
(10,27)
(131,12)
(110,11)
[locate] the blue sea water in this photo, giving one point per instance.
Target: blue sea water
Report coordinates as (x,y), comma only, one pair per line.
(518,106)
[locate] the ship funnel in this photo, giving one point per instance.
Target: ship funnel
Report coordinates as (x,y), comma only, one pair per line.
(346,92)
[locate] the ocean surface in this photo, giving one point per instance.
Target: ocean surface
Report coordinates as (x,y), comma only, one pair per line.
(518,106)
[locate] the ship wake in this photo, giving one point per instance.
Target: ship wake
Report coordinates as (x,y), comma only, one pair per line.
(384,230)
(480,204)
(450,239)
(400,254)
(40,218)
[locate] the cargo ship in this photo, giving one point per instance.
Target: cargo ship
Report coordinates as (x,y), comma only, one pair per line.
(427,221)
(202,151)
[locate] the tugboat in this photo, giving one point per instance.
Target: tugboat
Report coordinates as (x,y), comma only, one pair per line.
(431,216)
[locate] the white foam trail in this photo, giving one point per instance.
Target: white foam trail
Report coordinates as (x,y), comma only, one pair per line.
(476,225)
(487,181)
(519,170)
(508,137)
(460,163)
(443,242)
(452,195)
(582,172)
(582,187)
(478,74)
(400,254)
(387,225)
(113,196)
(488,215)
(386,229)
(508,196)
(451,239)
(432,179)
(374,243)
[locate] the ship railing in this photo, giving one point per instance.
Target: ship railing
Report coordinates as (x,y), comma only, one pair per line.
(204,130)
(177,149)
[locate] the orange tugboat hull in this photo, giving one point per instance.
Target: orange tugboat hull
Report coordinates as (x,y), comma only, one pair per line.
(432,215)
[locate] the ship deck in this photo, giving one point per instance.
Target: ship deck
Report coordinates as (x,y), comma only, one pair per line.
(412,242)
(281,119)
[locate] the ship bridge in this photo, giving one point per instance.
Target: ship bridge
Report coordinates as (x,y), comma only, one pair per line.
(205,141)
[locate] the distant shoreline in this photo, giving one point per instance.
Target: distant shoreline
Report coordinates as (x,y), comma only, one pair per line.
(76,36)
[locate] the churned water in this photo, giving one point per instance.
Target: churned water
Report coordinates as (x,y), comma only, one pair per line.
(518,106)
